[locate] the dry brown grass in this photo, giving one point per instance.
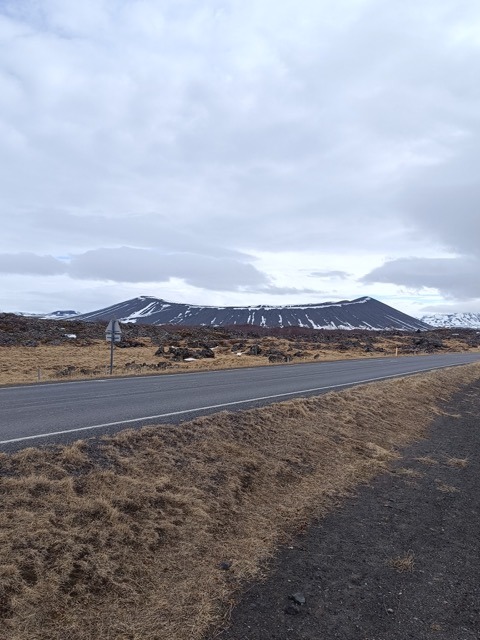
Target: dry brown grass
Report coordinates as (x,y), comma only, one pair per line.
(77,360)
(428,460)
(445,488)
(47,362)
(124,540)
(459,463)
(403,563)
(411,474)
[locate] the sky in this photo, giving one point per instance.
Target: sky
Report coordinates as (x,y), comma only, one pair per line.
(239,152)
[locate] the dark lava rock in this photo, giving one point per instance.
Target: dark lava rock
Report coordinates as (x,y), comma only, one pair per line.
(292,610)
(180,353)
(126,344)
(205,353)
(298,598)
(277,356)
(255,350)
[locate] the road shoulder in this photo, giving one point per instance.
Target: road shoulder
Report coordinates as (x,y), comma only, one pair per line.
(397,560)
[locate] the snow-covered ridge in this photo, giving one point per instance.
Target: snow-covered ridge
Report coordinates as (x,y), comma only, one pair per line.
(361,313)
(260,307)
(459,320)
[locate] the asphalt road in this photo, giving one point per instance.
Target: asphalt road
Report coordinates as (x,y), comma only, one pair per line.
(33,415)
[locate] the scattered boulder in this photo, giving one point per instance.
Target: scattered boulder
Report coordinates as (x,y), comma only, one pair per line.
(128,343)
(205,353)
(135,366)
(277,356)
(428,343)
(254,350)
(180,353)
(298,598)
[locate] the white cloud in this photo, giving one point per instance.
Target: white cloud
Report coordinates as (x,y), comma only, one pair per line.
(211,132)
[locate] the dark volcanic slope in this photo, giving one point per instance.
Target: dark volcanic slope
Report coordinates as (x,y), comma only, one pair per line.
(362,313)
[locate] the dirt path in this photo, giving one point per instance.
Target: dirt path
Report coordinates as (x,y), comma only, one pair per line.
(400,559)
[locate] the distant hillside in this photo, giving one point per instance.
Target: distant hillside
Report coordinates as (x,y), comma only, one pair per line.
(447,320)
(54,315)
(362,313)
(61,314)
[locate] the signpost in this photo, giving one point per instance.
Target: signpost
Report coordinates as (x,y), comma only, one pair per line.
(114,334)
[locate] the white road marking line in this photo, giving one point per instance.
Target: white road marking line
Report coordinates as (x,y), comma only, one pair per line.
(218,406)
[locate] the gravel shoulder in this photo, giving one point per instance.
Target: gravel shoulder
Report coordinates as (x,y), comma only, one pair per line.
(399,559)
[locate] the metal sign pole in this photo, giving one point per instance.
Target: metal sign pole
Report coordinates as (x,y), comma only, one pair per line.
(111,353)
(114,334)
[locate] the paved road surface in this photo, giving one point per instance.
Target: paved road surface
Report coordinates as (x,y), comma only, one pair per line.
(40,414)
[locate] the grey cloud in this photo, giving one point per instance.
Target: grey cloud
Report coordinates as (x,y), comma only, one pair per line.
(202,129)
(453,277)
(153,230)
(31,264)
(273,129)
(443,202)
(127,264)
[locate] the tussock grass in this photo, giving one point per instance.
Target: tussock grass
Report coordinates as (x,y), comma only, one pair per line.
(428,460)
(403,563)
(459,463)
(409,473)
(128,539)
(445,488)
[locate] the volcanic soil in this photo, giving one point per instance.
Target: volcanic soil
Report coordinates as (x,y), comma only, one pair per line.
(399,559)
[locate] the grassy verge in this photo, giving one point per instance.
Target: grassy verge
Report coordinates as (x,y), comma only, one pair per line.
(149,534)
(91,358)
(43,363)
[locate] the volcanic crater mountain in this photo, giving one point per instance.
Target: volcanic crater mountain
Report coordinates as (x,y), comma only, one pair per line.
(361,313)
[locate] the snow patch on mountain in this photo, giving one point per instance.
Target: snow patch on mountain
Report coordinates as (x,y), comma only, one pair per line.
(458,320)
(361,313)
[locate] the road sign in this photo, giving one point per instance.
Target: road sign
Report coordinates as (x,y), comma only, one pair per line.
(113,332)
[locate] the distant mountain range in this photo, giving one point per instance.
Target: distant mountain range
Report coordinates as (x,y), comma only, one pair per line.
(362,313)
(58,315)
(55,315)
(459,320)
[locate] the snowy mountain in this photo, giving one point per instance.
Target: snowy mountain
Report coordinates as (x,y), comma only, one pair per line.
(55,315)
(61,314)
(362,313)
(459,320)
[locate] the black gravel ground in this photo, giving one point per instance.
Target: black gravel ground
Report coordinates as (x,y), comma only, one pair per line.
(400,559)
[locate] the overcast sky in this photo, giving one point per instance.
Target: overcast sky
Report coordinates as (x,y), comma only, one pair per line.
(239,152)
